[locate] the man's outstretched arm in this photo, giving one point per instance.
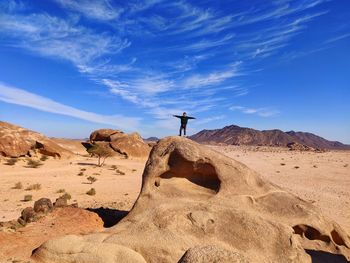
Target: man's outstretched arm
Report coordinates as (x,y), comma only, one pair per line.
(177,116)
(190,117)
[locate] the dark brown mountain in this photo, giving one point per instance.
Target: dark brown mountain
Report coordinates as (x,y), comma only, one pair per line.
(236,135)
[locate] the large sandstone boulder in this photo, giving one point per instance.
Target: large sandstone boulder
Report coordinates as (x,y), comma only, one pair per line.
(197,205)
(128,145)
(103,135)
(16,141)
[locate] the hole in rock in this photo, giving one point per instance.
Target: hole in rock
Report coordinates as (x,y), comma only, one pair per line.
(190,177)
(110,217)
(337,238)
(325,257)
(310,233)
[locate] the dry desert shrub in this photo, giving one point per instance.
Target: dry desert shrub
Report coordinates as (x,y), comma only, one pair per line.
(11,161)
(92,191)
(28,198)
(18,186)
(44,158)
(91,179)
(283,164)
(119,172)
(83,169)
(60,191)
(296,167)
(80,174)
(33,163)
(66,196)
(33,187)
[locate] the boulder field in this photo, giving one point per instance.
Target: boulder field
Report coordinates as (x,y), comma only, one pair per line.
(197,205)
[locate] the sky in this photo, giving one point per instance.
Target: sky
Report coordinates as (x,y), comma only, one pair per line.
(68,67)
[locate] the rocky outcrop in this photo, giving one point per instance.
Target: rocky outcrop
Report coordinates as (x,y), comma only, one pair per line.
(197,205)
(104,135)
(16,141)
(128,145)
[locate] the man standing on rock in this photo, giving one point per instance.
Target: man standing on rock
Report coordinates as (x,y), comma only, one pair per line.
(184,119)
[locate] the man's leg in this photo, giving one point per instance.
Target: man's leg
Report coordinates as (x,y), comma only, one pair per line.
(185,130)
(180,130)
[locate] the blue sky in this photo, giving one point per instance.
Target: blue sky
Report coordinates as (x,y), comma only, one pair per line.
(68,67)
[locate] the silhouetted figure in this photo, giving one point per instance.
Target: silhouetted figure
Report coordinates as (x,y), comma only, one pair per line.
(184,119)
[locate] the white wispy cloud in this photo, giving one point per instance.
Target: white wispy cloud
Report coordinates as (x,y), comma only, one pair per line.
(263,112)
(22,97)
(337,38)
(55,37)
(95,9)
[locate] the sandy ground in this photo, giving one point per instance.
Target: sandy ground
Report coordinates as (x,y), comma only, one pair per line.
(323,178)
(113,190)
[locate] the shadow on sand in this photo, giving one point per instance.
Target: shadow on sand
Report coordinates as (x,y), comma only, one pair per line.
(110,217)
(325,257)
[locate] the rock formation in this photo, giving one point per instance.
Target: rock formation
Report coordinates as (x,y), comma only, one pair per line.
(16,141)
(128,145)
(197,205)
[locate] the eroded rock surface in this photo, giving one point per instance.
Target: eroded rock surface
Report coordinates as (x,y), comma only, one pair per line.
(16,141)
(196,202)
(128,145)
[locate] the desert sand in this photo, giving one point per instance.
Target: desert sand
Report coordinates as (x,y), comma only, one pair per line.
(322,179)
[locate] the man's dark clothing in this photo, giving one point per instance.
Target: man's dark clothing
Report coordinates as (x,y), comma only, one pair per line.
(184,120)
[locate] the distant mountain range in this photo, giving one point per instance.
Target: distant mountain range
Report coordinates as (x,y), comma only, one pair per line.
(235,135)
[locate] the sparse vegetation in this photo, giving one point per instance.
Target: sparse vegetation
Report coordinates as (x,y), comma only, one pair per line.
(33,163)
(60,191)
(346,165)
(296,167)
(283,164)
(80,174)
(315,166)
(92,191)
(44,158)
(18,186)
(113,167)
(133,170)
(83,169)
(28,198)
(96,174)
(101,152)
(66,196)
(91,179)
(119,172)
(11,161)
(33,187)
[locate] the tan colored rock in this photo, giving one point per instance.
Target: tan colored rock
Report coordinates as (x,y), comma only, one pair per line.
(128,145)
(211,254)
(16,141)
(131,145)
(103,135)
(193,197)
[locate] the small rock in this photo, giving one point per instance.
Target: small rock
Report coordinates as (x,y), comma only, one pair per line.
(28,215)
(43,205)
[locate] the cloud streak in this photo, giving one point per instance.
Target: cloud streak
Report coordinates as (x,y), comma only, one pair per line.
(262,112)
(22,97)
